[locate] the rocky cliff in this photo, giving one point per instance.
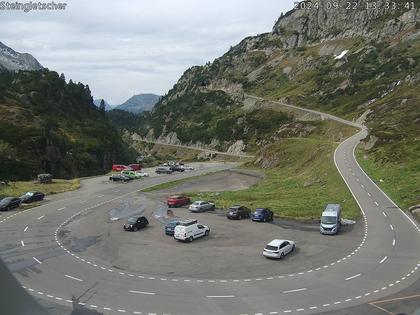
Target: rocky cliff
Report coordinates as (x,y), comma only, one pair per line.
(13,61)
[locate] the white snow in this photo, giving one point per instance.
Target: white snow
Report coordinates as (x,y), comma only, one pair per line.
(342,54)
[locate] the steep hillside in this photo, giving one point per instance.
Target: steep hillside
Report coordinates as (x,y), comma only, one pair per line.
(13,61)
(139,103)
(48,125)
(346,61)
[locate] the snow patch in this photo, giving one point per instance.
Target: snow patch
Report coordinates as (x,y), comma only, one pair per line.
(342,54)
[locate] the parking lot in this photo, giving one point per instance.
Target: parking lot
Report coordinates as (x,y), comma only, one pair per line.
(232,250)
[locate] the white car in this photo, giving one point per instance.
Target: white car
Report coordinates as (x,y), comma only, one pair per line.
(201,206)
(142,174)
(278,248)
(189,230)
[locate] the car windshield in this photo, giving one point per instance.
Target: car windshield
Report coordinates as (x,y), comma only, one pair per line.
(196,203)
(29,194)
(233,209)
(132,220)
(271,247)
(5,200)
(259,211)
(328,220)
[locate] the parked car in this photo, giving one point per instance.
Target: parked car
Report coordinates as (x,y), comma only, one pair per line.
(134,167)
(189,230)
(278,248)
(178,201)
(142,173)
(176,168)
(130,174)
(201,206)
(9,203)
(136,223)
(170,227)
(262,215)
(238,212)
(118,167)
(163,170)
(119,178)
(32,196)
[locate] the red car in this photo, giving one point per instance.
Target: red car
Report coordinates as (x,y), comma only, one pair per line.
(135,167)
(118,167)
(178,201)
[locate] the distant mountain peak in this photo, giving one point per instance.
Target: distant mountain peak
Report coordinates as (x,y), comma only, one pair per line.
(14,61)
(97,102)
(139,103)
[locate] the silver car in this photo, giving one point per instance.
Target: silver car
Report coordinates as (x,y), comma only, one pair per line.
(201,206)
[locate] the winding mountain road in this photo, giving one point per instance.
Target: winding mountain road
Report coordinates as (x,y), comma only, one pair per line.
(385,262)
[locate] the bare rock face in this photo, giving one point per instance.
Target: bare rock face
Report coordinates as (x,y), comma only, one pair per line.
(237,148)
(14,61)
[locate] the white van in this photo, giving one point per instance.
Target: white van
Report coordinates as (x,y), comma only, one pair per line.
(189,230)
(330,219)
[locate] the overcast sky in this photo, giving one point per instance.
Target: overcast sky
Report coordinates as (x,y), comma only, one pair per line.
(122,48)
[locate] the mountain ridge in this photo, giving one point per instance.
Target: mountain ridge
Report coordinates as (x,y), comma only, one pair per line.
(12,60)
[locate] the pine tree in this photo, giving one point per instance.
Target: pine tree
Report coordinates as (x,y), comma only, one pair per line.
(102,107)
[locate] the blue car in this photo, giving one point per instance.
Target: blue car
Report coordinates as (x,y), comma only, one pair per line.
(262,215)
(170,227)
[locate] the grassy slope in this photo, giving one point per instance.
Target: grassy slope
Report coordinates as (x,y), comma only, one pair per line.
(301,160)
(59,185)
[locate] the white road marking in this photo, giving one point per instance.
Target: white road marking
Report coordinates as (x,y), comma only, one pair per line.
(393,242)
(107,308)
(142,292)
(23,244)
(37,260)
(369,194)
(377,204)
(26,228)
(74,278)
(384,214)
(121,311)
(296,290)
(61,208)
(40,217)
(220,296)
(392,228)
(383,259)
(352,277)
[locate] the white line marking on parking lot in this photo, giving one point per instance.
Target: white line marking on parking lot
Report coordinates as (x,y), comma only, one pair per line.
(142,292)
(38,261)
(40,217)
(74,278)
(61,208)
(383,259)
(377,204)
(220,296)
(392,228)
(23,244)
(384,214)
(369,194)
(361,185)
(296,290)
(393,242)
(352,277)
(26,228)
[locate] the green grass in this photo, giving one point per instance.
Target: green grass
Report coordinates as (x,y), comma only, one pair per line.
(299,187)
(20,187)
(400,181)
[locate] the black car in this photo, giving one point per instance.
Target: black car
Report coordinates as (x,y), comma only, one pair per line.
(176,168)
(32,196)
(238,212)
(136,223)
(119,178)
(9,203)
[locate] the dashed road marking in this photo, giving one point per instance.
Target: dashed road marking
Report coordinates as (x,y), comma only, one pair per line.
(37,260)
(377,204)
(352,277)
(26,228)
(384,214)
(383,259)
(74,278)
(220,296)
(295,290)
(392,228)
(142,292)
(62,208)
(39,218)
(393,242)
(22,242)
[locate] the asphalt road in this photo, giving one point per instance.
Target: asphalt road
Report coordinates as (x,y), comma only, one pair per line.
(385,262)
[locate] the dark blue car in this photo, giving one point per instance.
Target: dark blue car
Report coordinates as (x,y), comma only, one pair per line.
(262,215)
(170,227)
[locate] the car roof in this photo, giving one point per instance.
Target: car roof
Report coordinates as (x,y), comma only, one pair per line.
(277,242)
(332,209)
(262,209)
(235,206)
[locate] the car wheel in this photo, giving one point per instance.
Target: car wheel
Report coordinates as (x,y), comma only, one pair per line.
(293,247)
(207,233)
(282,255)
(190,239)
(213,208)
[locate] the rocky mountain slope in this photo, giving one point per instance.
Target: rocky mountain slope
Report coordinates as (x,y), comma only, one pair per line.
(13,61)
(48,125)
(139,103)
(97,102)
